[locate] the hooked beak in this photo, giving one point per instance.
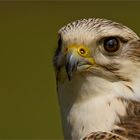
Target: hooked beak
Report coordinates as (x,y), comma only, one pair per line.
(71,64)
(77,56)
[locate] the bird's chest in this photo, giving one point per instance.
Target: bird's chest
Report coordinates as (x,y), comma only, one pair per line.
(91,115)
(89,106)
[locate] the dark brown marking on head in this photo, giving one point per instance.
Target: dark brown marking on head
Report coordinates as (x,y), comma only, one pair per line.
(122,78)
(111,67)
(133,50)
(130,88)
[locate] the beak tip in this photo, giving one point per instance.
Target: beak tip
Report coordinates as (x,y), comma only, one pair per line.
(70,65)
(69,73)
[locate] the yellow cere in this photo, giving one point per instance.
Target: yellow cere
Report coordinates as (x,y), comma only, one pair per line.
(81,49)
(91,61)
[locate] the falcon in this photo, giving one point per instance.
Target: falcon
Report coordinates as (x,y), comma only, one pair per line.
(97,66)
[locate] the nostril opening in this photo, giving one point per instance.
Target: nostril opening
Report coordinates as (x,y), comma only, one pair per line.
(82,51)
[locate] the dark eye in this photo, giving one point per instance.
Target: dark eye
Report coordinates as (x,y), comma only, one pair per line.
(111,44)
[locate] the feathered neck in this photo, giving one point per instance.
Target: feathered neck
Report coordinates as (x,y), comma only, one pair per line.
(89,104)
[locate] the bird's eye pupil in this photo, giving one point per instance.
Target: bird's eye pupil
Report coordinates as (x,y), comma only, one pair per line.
(111,44)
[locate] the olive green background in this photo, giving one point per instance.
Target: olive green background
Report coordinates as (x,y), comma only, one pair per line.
(28,37)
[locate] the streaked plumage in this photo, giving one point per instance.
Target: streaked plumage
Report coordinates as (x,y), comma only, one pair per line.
(103,136)
(97,65)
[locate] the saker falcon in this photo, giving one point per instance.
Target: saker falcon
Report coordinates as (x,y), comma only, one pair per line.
(97,66)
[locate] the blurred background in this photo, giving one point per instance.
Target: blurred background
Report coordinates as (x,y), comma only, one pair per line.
(28,37)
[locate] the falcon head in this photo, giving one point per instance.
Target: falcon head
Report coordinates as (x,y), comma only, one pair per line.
(96,46)
(97,61)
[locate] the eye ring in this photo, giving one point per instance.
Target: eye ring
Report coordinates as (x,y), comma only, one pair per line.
(111,44)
